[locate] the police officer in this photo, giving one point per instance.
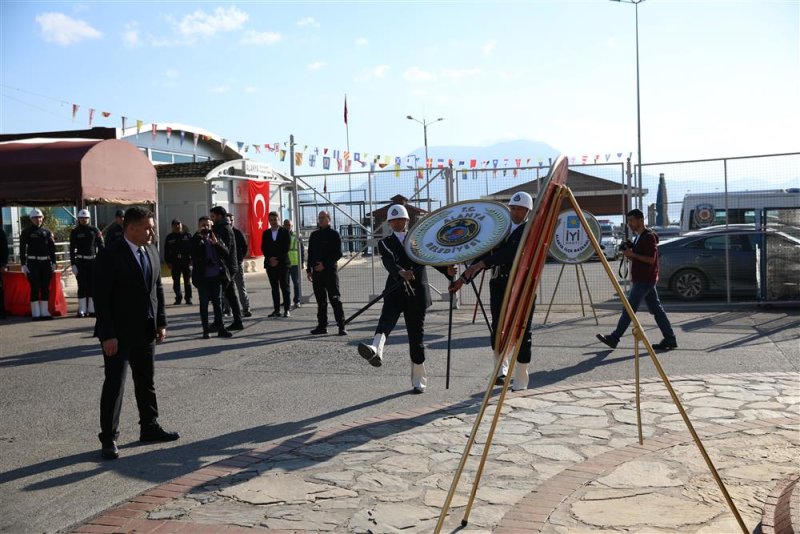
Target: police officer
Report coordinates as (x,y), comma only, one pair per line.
(37,254)
(85,241)
(410,298)
(114,232)
(177,255)
(500,261)
(324,251)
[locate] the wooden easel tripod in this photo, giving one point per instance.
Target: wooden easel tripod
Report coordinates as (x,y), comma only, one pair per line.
(531,284)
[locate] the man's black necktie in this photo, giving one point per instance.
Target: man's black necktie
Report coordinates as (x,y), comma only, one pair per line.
(145,266)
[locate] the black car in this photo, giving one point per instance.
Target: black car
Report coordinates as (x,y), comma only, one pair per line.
(694,265)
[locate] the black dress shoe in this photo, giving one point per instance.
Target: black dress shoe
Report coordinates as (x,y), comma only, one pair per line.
(608,340)
(500,380)
(417,391)
(205,335)
(247,313)
(236,325)
(342,331)
(156,433)
(109,451)
(287,314)
(319,330)
(224,333)
(177,302)
(274,314)
(666,344)
(188,302)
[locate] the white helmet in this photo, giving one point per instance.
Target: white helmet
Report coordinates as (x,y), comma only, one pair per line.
(521,198)
(35,213)
(397,212)
(83,213)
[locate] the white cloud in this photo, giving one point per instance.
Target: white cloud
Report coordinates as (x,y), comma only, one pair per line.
(309,22)
(378,71)
(316,65)
(415,74)
(204,24)
(172,73)
(219,89)
(64,30)
(250,89)
(130,35)
(460,74)
(488,48)
(260,38)
(362,41)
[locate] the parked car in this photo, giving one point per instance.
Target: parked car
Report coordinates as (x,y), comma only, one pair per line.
(692,266)
(610,246)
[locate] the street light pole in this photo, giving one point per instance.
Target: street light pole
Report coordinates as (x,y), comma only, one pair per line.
(638,103)
(425,125)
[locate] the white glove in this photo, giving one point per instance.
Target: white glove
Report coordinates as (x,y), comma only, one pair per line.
(25,269)
(75,270)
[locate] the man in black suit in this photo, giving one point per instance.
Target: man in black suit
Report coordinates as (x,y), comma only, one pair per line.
(222,229)
(129,302)
(500,260)
(275,247)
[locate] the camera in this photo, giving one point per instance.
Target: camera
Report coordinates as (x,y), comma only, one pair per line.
(205,232)
(626,245)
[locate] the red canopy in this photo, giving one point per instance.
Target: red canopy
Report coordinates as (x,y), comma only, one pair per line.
(73,172)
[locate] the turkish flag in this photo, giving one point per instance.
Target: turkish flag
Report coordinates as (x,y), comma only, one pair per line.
(258,195)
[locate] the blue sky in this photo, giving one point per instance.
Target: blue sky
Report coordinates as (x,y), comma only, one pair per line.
(718,78)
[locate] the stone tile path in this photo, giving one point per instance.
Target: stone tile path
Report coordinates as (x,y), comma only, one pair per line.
(564,459)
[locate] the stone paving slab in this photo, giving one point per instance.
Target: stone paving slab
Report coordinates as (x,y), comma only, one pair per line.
(564,458)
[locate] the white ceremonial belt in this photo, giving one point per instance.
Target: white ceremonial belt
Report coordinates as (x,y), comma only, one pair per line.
(42,258)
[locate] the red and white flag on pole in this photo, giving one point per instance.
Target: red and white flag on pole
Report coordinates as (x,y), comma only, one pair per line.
(75,108)
(91,116)
(258,194)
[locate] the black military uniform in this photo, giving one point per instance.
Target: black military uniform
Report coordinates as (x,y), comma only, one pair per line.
(3,263)
(114,231)
(177,254)
(325,247)
(411,299)
(85,241)
(37,252)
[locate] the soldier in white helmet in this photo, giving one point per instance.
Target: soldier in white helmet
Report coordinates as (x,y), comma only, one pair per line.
(500,261)
(37,254)
(85,241)
(411,298)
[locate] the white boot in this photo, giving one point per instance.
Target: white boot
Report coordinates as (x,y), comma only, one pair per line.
(90,301)
(373,353)
(43,311)
(520,377)
(503,371)
(418,380)
(35,310)
(81,307)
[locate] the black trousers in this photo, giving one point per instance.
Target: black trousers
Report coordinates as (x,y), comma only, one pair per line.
(210,290)
(294,273)
(39,275)
(230,292)
(326,286)
(497,290)
(84,278)
(279,281)
(140,356)
(179,269)
(413,311)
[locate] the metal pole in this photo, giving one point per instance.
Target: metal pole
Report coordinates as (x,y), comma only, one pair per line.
(728,237)
(296,195)
(638,106)
(427,167)
(371,238)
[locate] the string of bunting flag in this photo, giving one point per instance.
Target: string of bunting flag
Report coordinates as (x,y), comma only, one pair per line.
(334,159)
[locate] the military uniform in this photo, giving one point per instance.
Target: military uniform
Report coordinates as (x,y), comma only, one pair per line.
(113,233)
(177,254)
(85,241)
(37,253)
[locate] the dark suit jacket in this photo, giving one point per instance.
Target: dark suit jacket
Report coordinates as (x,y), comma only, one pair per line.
(395,259)
(123,299)
(275,249)
(198,255)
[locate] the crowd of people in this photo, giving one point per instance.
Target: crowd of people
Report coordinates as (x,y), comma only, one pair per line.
(119,283)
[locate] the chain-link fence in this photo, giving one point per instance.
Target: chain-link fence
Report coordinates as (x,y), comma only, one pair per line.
(757,261)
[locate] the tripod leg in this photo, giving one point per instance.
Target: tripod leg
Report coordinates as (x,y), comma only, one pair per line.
(589,293)
(480,288)
(553,296)
(580,291)
(638,386)
(449,339)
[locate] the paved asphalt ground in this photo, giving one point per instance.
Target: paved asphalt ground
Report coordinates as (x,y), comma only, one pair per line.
(274,380)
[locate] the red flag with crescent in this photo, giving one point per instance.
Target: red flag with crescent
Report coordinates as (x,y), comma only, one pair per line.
(258,195)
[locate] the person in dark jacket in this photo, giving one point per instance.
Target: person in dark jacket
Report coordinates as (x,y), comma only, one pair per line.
(411,299)
(3,266)
(177,256)
(114,231)
(130,322)
(324,251)
(275,247)
(500,260)
(37,253)
(242,249)
(224,233)
(85,241)
(209,275)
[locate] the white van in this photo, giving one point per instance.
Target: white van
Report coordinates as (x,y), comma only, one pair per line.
(708,209)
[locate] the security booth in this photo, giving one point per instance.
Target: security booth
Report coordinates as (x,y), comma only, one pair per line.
(68,172)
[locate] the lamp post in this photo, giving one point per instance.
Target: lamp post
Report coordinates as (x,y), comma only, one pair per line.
(425,125)
(638,101)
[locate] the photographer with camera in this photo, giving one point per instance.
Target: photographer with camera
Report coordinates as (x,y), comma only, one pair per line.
(642,252)
(210,275)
